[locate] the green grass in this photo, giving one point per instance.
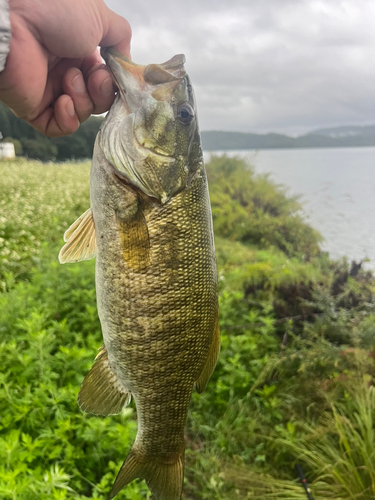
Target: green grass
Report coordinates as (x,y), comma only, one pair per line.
(38,202)
(264,409)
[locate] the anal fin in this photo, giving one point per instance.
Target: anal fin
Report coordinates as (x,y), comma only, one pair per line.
(211,361)
(80,240)
(101,392)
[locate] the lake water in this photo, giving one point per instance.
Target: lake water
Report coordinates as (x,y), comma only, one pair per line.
(337,187)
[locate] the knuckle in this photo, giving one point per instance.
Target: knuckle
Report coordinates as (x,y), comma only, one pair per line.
(128,28)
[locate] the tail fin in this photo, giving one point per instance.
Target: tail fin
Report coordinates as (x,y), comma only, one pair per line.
(164,479)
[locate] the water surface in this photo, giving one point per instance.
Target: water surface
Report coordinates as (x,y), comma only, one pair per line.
(337,186)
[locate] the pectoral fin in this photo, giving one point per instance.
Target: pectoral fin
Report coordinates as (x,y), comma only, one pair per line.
(80,240)
(211,361)
(101,392)
(135,241)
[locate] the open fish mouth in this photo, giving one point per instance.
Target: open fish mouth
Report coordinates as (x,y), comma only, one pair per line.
(135,81)
(153,74)
(127,75)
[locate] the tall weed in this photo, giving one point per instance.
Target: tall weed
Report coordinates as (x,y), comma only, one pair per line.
(337,450)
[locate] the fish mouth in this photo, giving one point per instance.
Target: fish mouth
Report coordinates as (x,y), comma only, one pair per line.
(132,86)
(108,53)
(127,75)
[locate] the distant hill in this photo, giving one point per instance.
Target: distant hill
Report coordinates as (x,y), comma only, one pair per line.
(30,143)
(335,137)
(346,131)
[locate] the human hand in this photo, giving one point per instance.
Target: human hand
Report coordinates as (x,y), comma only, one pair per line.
(54,77)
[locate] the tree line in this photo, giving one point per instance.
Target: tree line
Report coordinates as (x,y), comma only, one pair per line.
(32,144)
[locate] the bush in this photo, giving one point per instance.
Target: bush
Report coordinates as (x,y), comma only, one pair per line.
(39,149)
(252,209)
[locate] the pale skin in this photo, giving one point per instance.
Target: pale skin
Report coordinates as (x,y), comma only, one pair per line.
(54,77)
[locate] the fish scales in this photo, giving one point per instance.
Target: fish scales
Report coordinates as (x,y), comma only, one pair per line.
(157,319)
(150,228)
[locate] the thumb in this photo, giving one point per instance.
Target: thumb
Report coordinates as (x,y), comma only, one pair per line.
(117,33)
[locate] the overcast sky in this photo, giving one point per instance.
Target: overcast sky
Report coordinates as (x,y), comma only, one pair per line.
(285,66)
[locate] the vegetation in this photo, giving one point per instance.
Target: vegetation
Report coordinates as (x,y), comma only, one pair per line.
(32,144)
(295,379)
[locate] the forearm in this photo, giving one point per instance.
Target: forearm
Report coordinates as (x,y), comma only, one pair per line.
(5,32)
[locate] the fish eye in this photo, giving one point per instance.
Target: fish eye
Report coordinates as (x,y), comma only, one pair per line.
(185,113)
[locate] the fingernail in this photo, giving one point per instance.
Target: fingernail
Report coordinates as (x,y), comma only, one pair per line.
(106,88)
(78,84)
(70,108)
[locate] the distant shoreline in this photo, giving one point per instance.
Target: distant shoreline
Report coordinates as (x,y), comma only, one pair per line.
(222,150)
(339,137)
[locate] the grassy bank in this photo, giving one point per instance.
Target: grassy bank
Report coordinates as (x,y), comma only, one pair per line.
(295,378)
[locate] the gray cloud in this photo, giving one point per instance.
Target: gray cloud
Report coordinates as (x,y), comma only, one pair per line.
(265,65)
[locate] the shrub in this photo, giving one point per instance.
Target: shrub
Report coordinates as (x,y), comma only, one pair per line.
(39,149)
(254,210)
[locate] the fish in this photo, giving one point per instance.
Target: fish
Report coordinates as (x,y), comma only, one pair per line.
(149,226)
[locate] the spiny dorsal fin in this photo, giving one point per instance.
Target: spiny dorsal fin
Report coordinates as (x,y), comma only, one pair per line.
(101,392)
(211,361)
(80,240)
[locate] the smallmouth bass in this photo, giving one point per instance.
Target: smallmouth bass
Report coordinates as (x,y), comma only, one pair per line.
(150,228)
